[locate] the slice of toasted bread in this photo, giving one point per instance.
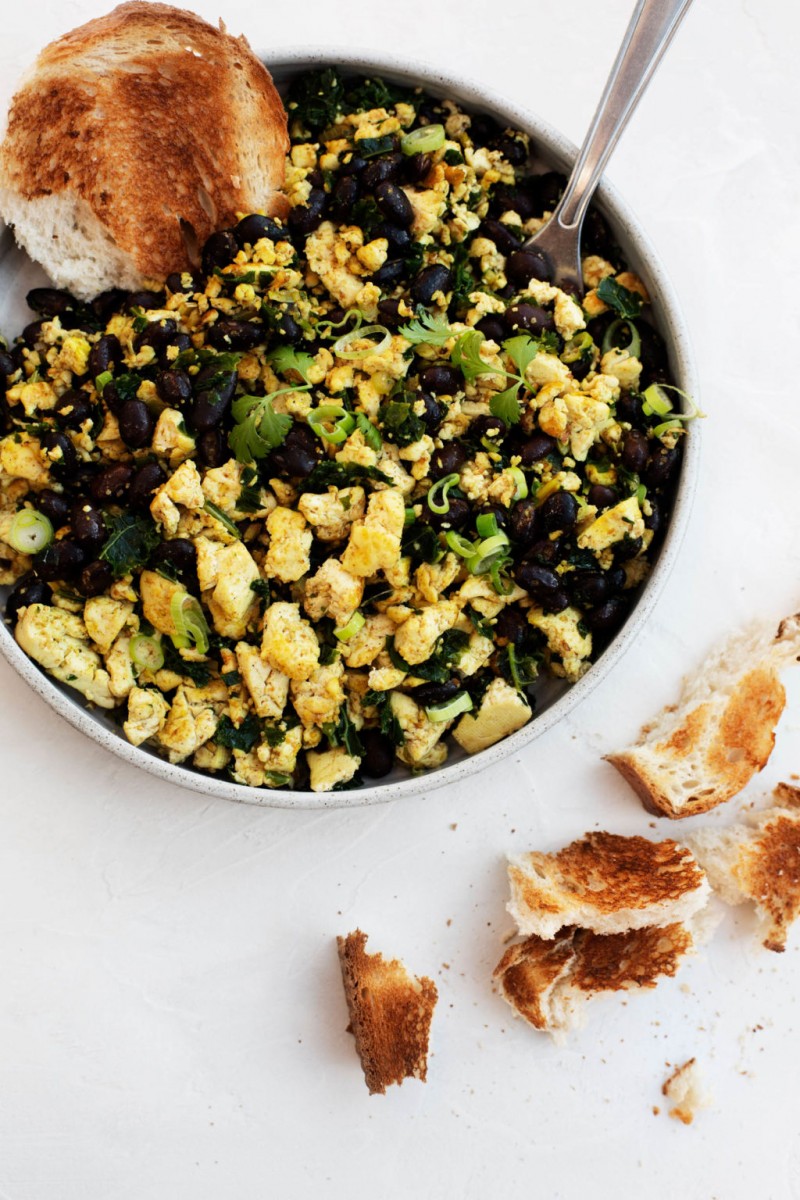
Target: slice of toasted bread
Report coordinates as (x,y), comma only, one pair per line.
(705,749)
(390,1014)
(130,135)
(606,883)
(546,982)
(758,861)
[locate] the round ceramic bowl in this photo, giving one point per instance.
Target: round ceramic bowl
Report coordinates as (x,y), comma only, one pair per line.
(18,274)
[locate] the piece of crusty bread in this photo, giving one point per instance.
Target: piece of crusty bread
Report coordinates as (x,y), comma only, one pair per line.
(390,1013)
(704,750)
(133,135)
(758,861)
(685,1092)
(547,982)
(606,883)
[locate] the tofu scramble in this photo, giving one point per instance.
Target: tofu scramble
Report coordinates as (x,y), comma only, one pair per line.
(341,498)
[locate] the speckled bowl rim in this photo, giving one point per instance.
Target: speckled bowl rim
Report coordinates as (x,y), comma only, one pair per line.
(644,259)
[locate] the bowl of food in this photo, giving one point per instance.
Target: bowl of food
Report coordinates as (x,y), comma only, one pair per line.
(360,504)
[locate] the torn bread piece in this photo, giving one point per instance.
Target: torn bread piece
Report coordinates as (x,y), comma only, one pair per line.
(547,982)
(390,1014)
(605,883)
(758,861)
(704,750)
(685,1092)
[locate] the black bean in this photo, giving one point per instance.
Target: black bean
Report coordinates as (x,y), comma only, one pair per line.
(178,343)
(298,455)
(512,625)
(51,302)
(434,412)
(601,496)
(212,402)
(497,511)
(7,365)
(107,351)
(400,240)
(416,167)
(531,449)
(255,226)
(661,465)
(227,334)
(144,483)
(289,330)
(178,554)
(588,588)
(545,191)
(542,585)
(507,199)
(107,303)
(441,379)
(145,300)
(558,513)
(211,448)
(32,333)
(389,314)
(596,237)
(95,578)
(626,549)
(655,519)
(394,204)
(436,693)
(492,327)
(60,451)
(512,149)
(456,517)
(136,423)
(524,265)
(653,355)
(607,617)
(54,506)
(522,522)
(174,388)
(112,482)
(388,275)
(483,129)
(530,317)
(447,460)
(220,249)
(429,281)
(59,560)
(505,237)
(487,427)
(343,197)
(157,334)
(72,409)
(87,524)
(629,408)
(634,451)
(545,553)
(176,283)
(378,757)
(316,178)
(354,166)
(380,170)
(112,397)
(305,218)
(28,590)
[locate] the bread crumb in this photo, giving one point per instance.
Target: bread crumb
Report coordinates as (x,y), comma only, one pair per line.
(683,1089)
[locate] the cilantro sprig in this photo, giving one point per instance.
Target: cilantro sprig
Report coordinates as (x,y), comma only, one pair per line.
(258,427)
(429,329)
(521,349)
(624,302)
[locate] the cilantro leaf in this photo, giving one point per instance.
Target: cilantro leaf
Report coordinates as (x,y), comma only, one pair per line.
(464,281)
(286,358)
(258,427)
(522,350)
(466,355)
(238,737)
(431,329)
(130,542)
(505,405)
(623,301)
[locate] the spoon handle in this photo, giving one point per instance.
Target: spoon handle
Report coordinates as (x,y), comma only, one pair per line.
(650,31)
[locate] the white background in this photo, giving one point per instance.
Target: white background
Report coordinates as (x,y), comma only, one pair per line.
(172,1022)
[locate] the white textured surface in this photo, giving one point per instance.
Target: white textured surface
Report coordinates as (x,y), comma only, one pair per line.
(171,1017)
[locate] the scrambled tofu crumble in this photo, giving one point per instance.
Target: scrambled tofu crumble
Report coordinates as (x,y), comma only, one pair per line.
(339,498)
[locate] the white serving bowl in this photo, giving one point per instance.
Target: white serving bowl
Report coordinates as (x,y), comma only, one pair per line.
(18,274)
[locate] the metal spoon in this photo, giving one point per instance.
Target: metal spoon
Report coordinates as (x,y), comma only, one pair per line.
(651,29)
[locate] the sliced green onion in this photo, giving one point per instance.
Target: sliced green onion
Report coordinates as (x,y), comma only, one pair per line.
(459,544)
(521,488)
(190,623)
(423,140)
(277,779)
(409,518)
(437,495)
(654,401)
(611,339)
(372,435)
(577,347)
(30,531)
(326,328)
(341,345)
(640,493)
(486,525)
(352,627)
(489,551)
(220,516)
(101,381)
(501,583)
(146,652)
(667,427)
(342,421)
(449,708)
